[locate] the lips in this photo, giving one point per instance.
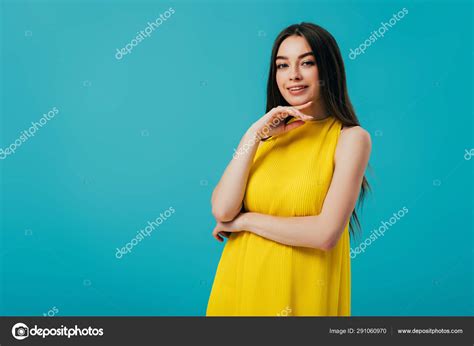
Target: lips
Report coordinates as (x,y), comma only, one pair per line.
(297,87)
(296,90)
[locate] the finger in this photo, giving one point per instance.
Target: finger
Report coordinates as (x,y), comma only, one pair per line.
(293,125)
(218,237)
(304,105)
(274,121)
(215,234)
(283,113)
(280,111)
(275,110)
(297,114)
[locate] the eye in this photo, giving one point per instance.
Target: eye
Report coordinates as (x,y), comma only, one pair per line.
(309,63)
(280,66)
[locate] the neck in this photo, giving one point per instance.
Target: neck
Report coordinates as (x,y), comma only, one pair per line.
(318,110)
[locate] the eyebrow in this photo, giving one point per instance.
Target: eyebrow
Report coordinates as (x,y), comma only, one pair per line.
(300,57)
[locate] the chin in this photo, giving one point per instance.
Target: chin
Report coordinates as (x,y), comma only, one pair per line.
(297,100)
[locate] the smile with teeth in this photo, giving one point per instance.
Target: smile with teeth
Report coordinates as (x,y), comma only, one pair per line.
(297,88)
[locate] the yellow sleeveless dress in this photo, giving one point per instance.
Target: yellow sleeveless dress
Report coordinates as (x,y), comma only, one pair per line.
(290,176)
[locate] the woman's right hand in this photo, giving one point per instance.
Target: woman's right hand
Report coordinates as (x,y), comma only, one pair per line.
(228,196)
(273,123)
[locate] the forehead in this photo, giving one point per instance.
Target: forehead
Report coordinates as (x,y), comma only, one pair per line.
(293,46)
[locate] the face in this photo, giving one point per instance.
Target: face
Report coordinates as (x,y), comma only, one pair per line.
(296,71)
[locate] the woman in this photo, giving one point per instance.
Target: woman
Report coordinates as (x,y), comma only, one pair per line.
(285,200)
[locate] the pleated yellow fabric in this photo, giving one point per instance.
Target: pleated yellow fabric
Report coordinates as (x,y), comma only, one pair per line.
(290,176)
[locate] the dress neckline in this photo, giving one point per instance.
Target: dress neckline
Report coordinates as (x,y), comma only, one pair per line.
(315,121)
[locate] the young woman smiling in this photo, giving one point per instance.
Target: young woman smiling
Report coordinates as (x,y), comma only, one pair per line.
(285,203)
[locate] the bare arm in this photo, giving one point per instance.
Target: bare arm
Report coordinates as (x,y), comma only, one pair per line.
(228,195)
(324,230)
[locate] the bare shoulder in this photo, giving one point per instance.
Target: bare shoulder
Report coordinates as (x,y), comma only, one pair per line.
(353,140)
(354,133)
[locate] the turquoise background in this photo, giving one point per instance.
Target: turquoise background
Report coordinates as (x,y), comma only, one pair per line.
(157,128)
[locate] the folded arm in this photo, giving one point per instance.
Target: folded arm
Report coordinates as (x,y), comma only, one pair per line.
(324,230)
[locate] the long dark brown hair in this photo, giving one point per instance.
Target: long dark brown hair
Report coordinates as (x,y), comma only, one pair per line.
(332,79)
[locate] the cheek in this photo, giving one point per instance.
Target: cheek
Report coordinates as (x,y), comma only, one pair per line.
(280,81)
(311,75)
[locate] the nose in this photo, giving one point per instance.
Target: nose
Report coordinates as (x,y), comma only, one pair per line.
(295,73)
